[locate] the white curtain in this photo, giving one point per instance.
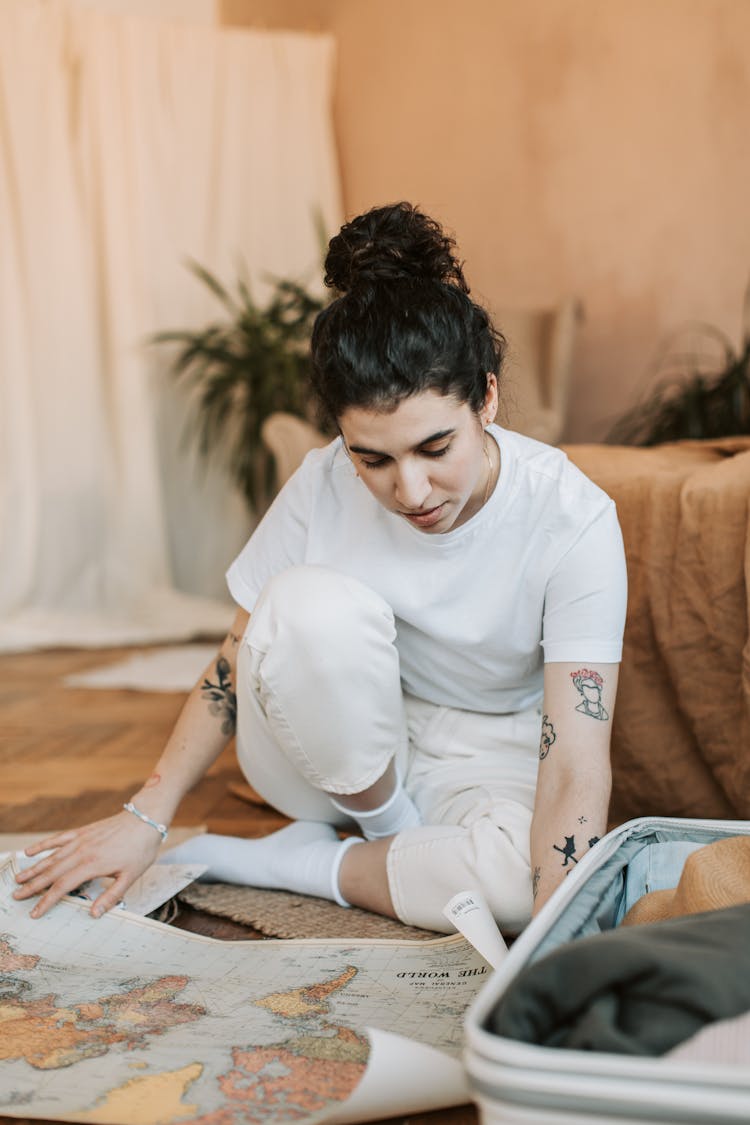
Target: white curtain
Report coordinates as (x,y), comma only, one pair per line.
(126,147)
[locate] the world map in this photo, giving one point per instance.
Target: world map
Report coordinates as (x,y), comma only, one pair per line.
(125,1020)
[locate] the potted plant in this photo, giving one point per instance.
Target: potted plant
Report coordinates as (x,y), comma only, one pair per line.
(241,368)
(702,389)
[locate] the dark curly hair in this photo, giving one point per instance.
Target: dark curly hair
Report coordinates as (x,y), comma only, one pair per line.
(403,321)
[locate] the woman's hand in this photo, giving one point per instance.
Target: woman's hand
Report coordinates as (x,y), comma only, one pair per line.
(120,847)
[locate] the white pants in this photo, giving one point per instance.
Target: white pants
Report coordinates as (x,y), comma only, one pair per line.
(321,710)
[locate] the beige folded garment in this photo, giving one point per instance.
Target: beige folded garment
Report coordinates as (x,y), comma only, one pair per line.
(726,1041)
(713,877)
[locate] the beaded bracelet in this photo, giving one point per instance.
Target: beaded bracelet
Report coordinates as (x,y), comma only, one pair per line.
(160,828)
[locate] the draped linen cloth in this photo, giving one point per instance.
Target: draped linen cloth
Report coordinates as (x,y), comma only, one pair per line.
(127,147)
(681,727)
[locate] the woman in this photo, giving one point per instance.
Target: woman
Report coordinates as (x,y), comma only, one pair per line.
(418,612)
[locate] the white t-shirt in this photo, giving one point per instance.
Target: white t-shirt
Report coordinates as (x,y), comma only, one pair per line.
(537,574)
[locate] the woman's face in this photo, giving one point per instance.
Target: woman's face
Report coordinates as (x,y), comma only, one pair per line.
(425,460)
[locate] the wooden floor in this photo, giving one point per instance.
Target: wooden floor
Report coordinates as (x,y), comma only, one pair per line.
(72,755)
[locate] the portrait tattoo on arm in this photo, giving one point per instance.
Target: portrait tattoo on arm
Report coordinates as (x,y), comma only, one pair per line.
(548,737)
(589,685)
(221,697)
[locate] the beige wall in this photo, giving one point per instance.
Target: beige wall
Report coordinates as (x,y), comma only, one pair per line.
(580,146)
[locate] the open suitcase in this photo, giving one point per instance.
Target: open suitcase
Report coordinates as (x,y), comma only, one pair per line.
(518,1083)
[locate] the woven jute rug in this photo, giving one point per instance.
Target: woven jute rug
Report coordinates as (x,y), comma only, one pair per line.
(280,914)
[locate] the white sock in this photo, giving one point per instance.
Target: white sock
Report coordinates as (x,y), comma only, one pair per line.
(398,812)
(304,857)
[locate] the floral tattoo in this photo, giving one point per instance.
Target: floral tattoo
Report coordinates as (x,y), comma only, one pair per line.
(548,737)
(590,685)
(222,700)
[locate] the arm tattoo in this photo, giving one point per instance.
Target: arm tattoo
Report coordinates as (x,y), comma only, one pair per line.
(589,685)
(568,852)
(535,882)
(593,840)
(222,700)
(548,737)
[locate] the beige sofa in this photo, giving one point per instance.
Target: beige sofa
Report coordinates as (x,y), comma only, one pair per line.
(681,731)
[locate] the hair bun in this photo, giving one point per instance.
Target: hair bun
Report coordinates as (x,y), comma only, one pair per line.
(391,243)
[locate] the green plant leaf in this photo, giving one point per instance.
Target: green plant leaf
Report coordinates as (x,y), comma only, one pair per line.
(212,283)
(702,390)
(239,370)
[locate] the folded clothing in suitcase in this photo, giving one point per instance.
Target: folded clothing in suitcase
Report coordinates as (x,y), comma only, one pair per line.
(637,990)
(516,1081)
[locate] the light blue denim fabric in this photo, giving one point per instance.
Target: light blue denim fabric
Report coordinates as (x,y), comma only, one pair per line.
(656,867)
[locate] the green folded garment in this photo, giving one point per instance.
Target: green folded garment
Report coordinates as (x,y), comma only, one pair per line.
(636,991)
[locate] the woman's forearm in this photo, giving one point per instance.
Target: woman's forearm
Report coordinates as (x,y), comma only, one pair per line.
(575,777)
(122,846)
(203,729)
(568,820)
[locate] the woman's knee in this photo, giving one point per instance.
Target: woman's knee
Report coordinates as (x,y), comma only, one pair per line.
(429,865)
(320,611)
(321,676)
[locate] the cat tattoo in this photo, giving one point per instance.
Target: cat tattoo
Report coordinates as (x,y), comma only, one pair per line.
(568,852)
